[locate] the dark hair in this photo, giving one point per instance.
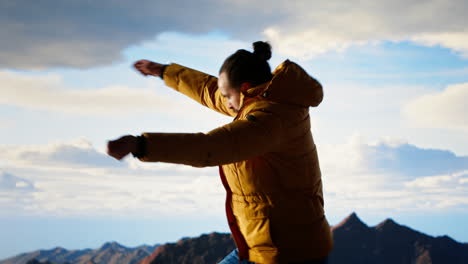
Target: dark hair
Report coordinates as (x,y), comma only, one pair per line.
(244,66)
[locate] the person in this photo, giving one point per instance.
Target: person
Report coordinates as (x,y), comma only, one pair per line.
(267,158)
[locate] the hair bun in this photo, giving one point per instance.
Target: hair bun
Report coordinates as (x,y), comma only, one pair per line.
(262,50)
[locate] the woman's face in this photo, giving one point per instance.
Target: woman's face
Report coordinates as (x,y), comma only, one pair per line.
(231,94)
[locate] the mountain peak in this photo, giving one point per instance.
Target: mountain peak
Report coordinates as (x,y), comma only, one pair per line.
(446,239)
(387,224)
(352,221)
(59,249)
(112,245)
(355,242)
(353,215)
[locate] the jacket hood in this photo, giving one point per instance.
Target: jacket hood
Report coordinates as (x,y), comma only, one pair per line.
(290,85)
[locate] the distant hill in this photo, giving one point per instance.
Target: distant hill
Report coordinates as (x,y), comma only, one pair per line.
(35,261)
(109,253)
(209,248)
(355,243)
(390,243)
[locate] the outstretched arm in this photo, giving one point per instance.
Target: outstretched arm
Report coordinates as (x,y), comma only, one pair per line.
(199,86)
(237,141)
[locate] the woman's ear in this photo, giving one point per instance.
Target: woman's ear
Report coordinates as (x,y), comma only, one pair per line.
(245,86)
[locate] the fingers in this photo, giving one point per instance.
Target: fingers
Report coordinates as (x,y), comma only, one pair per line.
(121,147)
(142,67)
(141,63)
(116,149)
(147,67)
(111,150)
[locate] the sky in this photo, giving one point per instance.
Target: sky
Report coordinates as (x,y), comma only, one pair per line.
(391,132)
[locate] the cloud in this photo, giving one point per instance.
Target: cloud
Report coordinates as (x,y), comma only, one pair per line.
(457,41)
(307,44)
(411,161)
(441,191)
(446,109)
(73,178)
(49,92)
(318,27)
(87,34)
(445,182)
(71,155)
(392,175)
(211,46)
(6,123)
(108,192)
(9,182)
(70,34)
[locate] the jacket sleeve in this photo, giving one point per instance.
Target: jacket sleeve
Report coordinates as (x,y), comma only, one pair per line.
(236,141)
(199,86)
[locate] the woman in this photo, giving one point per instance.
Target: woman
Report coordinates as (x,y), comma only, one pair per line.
(267,158)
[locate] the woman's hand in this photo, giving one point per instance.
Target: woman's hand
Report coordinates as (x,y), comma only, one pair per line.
(122,147)
(147,67)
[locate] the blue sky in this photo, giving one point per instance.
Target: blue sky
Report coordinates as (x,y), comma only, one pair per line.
(392,131)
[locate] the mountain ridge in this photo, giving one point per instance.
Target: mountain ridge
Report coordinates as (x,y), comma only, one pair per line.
(355,243)
(109,253)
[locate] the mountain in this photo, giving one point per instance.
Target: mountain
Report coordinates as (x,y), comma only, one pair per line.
(209,248)
(389,242)
(109,253)
(35,261)
(355,243)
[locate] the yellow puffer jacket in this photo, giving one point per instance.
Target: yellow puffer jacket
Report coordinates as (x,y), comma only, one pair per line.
(268,162)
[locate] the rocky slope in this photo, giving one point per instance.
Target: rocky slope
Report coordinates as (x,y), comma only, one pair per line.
(355,243)
(109,253)
(390,243)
